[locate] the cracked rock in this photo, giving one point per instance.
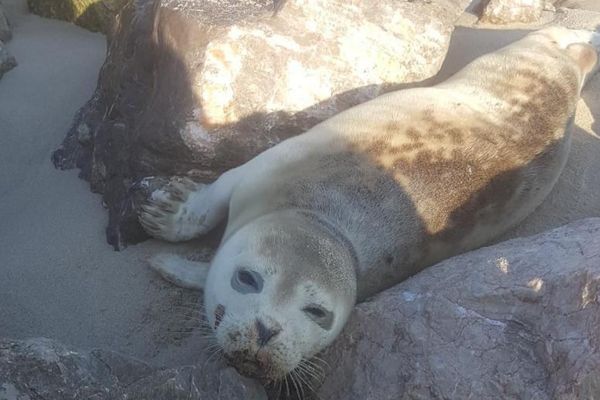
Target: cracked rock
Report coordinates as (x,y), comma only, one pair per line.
(511,11)
(517,320)
(44,369)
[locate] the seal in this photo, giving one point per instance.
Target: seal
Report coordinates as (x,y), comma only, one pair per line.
(371,196)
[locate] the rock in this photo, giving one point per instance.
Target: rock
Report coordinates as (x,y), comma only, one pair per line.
(196,383)
(590,5)
(95,15)
(196,87)
(7,62)
(5,31)
(511,11)
(44,369)
(518,320)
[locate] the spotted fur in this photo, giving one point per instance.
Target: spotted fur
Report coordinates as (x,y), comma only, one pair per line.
(379,192)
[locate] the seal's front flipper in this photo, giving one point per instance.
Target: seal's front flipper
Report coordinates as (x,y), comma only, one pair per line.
(180,271)
(167,214)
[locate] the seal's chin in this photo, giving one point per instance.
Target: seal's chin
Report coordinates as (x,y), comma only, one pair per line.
(254,367)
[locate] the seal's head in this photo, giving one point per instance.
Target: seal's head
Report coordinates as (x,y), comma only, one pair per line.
(279,290)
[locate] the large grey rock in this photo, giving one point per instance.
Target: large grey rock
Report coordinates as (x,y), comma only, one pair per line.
(44,369)
(518,320)
(197,87)
(511,11)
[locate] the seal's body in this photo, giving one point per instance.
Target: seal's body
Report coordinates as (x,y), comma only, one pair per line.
(373,195)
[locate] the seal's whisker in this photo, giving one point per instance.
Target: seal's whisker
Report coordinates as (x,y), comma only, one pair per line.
(315,371)
(301,375)
(299,390)
(287,387)
(216,352)
(316,377)
(212,347)
(319,359)
(280,386)
(207,335)
(301,368)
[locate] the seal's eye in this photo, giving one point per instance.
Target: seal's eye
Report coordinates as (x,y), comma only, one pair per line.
(245,281)
(321,316)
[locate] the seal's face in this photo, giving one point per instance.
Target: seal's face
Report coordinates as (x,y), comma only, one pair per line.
(278,292)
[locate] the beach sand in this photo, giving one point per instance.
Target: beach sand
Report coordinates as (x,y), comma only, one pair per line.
(58,276)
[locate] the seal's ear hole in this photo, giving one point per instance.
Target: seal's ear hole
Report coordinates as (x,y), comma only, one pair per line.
(584,55)
(245,281)
(321,316)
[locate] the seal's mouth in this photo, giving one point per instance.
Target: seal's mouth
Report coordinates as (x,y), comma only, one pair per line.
(252,367)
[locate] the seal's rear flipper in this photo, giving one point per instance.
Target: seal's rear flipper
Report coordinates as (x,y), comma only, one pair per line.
(179,271)
(584,55)
(581,45)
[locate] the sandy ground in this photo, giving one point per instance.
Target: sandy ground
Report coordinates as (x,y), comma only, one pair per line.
(59,278)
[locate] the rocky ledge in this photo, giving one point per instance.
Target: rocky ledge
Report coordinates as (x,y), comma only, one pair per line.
(517,320)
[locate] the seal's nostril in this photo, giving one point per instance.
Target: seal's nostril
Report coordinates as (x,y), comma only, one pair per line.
(265,334)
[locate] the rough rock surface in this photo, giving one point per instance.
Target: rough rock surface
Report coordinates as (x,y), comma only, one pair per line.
(5,31)
(44,369)
(7,62)
(198,86)
(511,11)
(518,320)
(591,5)
(95,15)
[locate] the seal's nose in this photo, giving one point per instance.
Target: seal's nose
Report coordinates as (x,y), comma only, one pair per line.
(265,334)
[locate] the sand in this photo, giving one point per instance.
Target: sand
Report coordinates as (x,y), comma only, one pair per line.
(59,278)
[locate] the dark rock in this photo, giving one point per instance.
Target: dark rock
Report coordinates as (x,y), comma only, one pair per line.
(5,31)
(7,62)
(196,87)
(94,15)
(44,369)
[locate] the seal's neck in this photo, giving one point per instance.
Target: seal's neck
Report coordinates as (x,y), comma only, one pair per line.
(333,231)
